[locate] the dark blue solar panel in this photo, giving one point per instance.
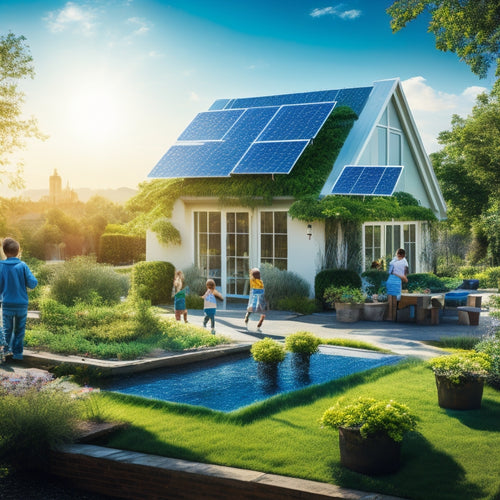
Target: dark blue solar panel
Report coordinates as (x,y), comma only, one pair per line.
(270,158)
(369,180)
(219,104)
(297,122)
(280,100)
(354,98)
(211,125)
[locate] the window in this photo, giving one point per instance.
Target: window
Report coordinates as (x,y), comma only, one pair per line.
(237,251)
(382,239)
(274,239)
(207,231)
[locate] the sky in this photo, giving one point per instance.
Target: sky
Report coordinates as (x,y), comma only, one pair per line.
(117,81)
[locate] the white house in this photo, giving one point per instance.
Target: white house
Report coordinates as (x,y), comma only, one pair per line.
(240,143)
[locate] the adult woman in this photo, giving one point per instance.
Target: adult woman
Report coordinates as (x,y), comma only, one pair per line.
(398,269)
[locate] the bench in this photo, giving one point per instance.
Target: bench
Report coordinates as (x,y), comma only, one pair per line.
(468,315)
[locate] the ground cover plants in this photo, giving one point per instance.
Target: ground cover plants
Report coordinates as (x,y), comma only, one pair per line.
(448,450)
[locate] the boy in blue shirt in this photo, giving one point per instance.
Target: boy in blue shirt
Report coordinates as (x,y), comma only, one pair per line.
(15,279)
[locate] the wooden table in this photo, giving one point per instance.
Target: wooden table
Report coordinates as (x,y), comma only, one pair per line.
(423,303)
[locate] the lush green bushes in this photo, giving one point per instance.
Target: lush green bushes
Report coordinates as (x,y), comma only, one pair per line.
(491,346)
(421,281)
(82,279)
(374,279)
(120,249)
(334,277)
(282,285)
(153,281)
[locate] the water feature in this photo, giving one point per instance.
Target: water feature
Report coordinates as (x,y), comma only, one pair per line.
(231,382)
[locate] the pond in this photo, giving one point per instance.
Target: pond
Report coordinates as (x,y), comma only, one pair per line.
(235,381)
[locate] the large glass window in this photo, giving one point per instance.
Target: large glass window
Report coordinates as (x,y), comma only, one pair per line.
(409,231)
(237,252)
(372,244)
(207,231)
(274,239)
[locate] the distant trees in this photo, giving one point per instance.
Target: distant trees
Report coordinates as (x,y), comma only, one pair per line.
(469,28)
(15,64)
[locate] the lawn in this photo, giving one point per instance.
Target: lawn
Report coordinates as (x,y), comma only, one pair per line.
(454,455)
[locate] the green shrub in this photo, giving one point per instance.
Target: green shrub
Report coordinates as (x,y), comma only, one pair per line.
(371,417)
(303,343)
(194,280)
(491,347)
(268,350)
(36,417)
(299,305)
(462,367)
(153,281)
(82,279)
(281,284)
(120,249)
(374,278)
(334,277)
(422,281)
(194,301)
(343,294)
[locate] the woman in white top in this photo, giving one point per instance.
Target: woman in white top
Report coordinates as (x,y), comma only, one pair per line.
(398,269)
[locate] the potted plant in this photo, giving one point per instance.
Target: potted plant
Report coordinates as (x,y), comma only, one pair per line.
(269,354)
(348,302)
(373,310)
(460,379)
(370,433)
(302,345)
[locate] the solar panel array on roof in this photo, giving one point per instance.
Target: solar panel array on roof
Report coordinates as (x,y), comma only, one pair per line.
(367,180)
(258,135)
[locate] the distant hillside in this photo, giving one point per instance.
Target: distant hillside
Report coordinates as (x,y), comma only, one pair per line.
(119,195)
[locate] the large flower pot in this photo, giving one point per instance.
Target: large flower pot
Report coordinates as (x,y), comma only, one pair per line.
(348,313)
(464,396)
(371,455)
(375,311)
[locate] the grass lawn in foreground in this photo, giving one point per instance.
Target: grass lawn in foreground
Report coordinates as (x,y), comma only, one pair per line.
(454,455)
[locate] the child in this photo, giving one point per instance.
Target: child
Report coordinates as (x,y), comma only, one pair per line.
(210,304)
(180,297)
(15,278)
(257,300)
(398,269)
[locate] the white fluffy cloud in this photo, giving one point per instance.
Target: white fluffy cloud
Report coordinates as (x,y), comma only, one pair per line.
(432,109)
(72,16)
(336,12)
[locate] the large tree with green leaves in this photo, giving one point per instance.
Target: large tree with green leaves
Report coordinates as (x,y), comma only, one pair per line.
(469,28)
(468,170)
(15,65)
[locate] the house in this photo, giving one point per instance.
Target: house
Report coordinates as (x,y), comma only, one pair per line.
(303,181)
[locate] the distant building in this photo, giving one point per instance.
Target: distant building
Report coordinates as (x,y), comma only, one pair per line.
(57,194)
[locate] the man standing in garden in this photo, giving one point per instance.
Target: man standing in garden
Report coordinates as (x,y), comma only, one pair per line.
(15,279)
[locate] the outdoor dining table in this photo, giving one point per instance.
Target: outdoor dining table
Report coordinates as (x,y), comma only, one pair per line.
(423,303)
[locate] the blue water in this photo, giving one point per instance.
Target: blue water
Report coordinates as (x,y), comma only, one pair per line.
(231,382)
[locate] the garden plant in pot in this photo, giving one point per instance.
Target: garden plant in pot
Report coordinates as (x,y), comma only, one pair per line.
(348,302)
(460,379)
(370,433)
(302,345)
(269,354)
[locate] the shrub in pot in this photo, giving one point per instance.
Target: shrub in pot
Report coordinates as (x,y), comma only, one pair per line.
(370,433)
(348,302)
(269,354)
(302,345)
(460,379)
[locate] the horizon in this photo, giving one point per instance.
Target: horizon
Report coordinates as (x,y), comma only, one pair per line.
(117,81)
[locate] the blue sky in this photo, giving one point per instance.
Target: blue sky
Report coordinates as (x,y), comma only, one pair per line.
(118,80)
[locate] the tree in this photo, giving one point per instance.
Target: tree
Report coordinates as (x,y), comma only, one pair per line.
(468,170)
(15,64)
(469,28)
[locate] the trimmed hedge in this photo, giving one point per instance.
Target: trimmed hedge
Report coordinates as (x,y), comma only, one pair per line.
(421,281)
(120,249)
(334,277)
(375,278)
(153,281)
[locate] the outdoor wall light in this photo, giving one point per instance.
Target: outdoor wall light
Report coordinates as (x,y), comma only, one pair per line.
(309,230)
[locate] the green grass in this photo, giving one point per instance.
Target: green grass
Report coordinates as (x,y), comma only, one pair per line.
(454,455)
(357,344)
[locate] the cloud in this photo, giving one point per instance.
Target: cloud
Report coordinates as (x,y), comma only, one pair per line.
(72,16)
(336,12)
(193,96)
(432,109)
(142,25)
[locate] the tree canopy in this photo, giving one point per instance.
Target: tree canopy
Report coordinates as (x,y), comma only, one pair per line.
(469,28)
(15,64)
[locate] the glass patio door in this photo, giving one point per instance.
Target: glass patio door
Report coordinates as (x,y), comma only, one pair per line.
(237,253)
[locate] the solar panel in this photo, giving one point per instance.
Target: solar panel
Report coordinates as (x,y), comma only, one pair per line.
(367,180)
(294,122)
(210,125)
(270,157)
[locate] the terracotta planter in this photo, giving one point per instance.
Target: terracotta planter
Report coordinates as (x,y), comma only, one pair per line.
(372,455)
(375,311)
(466,396)
(348,313)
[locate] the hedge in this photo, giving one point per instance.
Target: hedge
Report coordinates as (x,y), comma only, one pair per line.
(153,281)
(120,249)
(335,277)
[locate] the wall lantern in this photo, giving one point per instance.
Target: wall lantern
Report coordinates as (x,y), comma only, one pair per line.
(309,230)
